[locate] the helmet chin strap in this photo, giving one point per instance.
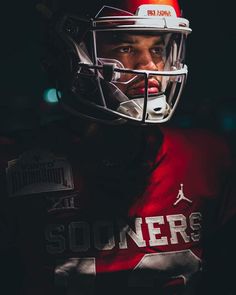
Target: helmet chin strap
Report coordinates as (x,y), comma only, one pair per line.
(157,107)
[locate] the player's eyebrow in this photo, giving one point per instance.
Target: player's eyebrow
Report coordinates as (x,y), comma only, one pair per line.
(160,41)
(124,38)
(113,38)
(128,41)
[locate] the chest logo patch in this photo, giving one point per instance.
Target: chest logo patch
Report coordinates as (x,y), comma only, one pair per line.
(181,197)
(38,171)
(68,202)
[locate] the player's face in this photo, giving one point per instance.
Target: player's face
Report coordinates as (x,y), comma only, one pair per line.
(138,52)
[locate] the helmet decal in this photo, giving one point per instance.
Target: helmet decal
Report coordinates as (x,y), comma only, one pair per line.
(132,5)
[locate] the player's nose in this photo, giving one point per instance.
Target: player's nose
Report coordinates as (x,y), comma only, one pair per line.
(144,61)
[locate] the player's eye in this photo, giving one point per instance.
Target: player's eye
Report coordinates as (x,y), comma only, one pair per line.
(158,50)
(124,49)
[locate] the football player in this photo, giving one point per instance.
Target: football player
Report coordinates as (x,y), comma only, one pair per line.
(108,200)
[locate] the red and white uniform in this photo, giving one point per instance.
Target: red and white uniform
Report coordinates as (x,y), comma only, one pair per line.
(81,235)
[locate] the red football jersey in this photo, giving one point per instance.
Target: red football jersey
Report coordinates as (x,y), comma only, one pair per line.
(113,232)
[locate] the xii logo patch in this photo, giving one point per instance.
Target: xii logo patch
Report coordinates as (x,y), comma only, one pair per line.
(62,203)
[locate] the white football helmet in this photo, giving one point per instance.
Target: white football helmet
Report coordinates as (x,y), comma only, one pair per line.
(105,76)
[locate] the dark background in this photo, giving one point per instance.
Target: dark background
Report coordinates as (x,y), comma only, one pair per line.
(209,99)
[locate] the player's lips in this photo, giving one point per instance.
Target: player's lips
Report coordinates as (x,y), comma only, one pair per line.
(139,87)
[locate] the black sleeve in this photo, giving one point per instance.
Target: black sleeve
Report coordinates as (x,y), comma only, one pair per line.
(219,274)
(220,248)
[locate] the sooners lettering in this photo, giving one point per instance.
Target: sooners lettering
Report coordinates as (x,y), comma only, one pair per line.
(162,230)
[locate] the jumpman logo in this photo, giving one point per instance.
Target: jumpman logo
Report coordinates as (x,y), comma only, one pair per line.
(181,196)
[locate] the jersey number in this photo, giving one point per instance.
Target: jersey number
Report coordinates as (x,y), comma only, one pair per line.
(76,274)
